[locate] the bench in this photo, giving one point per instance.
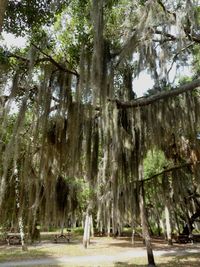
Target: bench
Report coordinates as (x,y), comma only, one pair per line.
(196,238)
(63,238)
(13,239)
(183,239)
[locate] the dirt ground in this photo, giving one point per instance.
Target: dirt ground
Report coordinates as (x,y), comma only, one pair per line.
(102,251)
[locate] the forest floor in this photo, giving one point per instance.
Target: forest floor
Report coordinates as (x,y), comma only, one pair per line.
(103,251)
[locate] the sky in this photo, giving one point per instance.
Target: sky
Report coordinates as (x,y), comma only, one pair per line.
(10,40)
(141,84)
(145,82)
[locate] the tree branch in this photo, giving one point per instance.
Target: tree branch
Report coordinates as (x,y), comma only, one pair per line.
(167,170)
(144,101)
(192,36)
(44,59)
(176,56)
(55,63)
(8,54)
(168,35)
(166,10)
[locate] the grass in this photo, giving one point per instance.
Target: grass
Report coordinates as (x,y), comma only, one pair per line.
(10,254)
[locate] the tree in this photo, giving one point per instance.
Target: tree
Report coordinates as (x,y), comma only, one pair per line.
(76,82)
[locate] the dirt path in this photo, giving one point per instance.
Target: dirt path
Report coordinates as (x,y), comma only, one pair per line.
(100,260)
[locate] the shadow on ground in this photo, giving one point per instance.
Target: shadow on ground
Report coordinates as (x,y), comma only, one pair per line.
(14,256)
(183,261)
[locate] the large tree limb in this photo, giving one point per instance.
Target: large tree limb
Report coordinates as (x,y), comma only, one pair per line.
(167,170)
(173,168)
(144,101)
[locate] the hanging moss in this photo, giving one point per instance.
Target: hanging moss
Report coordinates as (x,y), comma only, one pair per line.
(62,192)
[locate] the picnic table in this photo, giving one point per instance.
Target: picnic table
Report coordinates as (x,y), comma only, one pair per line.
(62,238)
(13,239)
(183,239)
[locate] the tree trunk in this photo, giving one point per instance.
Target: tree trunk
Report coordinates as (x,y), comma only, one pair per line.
(133,233)
(3,5)
(19,212)
(91,226)
(74,220)
(177,222)
(162,224)
(22,235)
(62,225)
(108,225)
(145,231)
(119,229)
(158,225)
(100,227)
(168,224)
(86,235)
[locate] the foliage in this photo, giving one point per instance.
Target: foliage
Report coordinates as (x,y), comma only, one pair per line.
(154,163)
(30,15)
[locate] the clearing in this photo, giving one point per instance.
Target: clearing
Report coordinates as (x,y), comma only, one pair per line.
(103,251)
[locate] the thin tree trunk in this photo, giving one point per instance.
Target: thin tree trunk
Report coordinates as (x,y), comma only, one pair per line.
(177,222)
(108,225)
(163,228)
(22,235)
(133,233)
(91,226)
(158,225)
(20,218)
(62,225)
(168,225)
(119,229)
(145,231)
(74,220)
(86,235)
(115,199)
(101,227)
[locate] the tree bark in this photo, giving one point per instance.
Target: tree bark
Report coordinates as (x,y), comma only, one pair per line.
(86,236)
(91,226)
(166,189)
(133,233)
(20,218)
(158,225)
(145,231)
(3,5)
(62,225)
(108,226)
(177,222)
(168,224)
(163,228)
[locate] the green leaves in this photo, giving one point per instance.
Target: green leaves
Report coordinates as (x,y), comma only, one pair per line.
(21,16)
(154,163)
